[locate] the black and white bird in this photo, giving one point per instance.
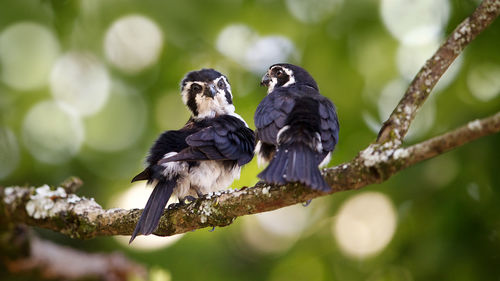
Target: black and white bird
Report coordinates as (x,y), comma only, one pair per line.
(297,128)
(204,156)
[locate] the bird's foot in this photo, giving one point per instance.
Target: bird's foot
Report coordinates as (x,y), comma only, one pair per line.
(305,204)
(187,200)
(199,193)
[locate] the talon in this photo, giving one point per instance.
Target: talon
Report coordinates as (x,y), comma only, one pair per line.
(173,206)
(305,204)
(199,193)
(187,200)
(212,230)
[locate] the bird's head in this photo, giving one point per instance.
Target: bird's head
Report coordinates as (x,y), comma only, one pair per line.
(285,75)
(207,93)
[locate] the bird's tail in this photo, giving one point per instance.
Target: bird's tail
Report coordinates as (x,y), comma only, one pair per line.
(148,222)
(295,162)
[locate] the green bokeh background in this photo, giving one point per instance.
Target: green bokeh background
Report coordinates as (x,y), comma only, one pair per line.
(447,229)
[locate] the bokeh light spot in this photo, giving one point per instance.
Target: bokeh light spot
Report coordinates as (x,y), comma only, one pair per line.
(473,191)
(415,22)
(136,197)
(483,81)
(275,231)
(312,11)
(267,51)
(365,224)
(289,221)
(80,81)
(159,274)
(27,52)
(120,123)
(51,133)
(9,152)
(233,40)
(255,53)
(410,58)
(133,43)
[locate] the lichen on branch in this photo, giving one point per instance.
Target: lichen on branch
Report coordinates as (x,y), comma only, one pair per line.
(80,217)
(398,124)
(61,210)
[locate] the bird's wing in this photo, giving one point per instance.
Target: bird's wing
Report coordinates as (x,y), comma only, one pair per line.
(271,115)
(329,129)
(169,141)
(224,138)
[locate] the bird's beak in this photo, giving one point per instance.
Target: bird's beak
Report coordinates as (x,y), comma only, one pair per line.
(210,91)
(265,80)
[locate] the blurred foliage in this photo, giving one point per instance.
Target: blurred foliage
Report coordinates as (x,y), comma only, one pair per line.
(448,222)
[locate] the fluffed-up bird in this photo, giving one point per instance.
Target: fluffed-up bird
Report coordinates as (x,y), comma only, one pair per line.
(296,128)
(204,156)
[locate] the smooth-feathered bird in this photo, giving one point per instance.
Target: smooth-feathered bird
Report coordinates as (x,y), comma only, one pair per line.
(297,128)
(204,156)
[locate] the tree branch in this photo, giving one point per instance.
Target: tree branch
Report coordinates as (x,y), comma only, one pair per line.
(438,145)
(396,127)
(25,253)
(84,218)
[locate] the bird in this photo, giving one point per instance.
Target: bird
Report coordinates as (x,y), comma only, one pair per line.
(297,128)
(204,156)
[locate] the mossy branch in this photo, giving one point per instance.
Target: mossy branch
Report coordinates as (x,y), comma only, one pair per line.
(84,218)
(60,210)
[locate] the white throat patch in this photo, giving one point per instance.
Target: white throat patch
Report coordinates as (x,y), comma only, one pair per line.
(210,107)
(274,80)
(291,79)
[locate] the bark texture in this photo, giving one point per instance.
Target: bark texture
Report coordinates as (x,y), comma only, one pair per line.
(61,210)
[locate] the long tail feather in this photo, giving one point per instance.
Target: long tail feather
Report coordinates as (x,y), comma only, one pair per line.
(148,222)
(295,163)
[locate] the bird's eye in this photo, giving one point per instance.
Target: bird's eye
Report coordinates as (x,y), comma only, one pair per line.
(280,72)
(221,84)
(196,87)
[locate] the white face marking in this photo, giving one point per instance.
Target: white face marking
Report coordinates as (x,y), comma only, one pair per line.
(273,83)
(225,106)
(291,79)
(274,80)
(185,92)
(228,86)
(207,106)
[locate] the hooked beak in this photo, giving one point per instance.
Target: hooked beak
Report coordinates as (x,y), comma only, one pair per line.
(265,80)
(210,91)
